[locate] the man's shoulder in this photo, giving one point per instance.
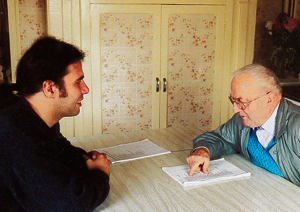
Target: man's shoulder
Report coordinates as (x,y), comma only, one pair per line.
(12,116)
(6,114)
(10,108)
(236,121)
(292,107)
(292,115)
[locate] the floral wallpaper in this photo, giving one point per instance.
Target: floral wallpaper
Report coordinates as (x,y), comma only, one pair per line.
(32,14)
(191,69)
(126,70)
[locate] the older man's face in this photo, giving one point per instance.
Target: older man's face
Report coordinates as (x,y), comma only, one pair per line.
(245,89)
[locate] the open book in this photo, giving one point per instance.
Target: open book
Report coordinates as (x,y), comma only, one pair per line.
(219,170)
(132,151)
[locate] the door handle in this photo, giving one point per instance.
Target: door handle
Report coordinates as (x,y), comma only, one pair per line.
(165,84)
(157,84)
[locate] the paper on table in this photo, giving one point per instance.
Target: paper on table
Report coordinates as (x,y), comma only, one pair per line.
(132,151)
(219,170)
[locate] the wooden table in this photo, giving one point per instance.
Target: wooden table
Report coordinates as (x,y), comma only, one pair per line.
(141,185)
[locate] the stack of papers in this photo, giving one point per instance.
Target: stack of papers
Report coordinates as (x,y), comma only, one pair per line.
(131,151)
(219,170)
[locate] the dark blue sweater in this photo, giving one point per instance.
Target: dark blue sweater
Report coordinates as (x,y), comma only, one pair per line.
(40,170)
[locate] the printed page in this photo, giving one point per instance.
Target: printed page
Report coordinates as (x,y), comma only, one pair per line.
(219,170)
(132,151)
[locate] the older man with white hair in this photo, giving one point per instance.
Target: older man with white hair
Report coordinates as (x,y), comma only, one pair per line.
(265,127)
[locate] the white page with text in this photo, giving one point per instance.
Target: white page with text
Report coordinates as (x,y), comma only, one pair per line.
(132,151)
(219,170)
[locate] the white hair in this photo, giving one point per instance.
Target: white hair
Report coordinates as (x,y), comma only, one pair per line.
(265,78)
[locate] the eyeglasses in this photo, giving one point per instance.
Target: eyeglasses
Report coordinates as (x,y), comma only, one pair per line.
(243,105)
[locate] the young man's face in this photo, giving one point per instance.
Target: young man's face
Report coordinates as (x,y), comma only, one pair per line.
(69,104)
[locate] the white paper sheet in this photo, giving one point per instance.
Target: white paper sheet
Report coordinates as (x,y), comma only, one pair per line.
(219,170)
(132,151)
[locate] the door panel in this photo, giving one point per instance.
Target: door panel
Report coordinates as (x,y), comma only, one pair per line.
(125,60)
(192,50)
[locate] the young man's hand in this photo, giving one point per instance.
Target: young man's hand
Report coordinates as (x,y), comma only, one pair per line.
(97,160)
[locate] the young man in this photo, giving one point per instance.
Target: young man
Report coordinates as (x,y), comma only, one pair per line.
(265,127)
(40,169)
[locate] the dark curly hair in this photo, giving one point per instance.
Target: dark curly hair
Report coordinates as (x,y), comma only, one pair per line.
(47,59)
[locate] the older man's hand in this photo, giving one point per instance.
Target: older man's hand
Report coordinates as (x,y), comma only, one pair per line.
(199,160)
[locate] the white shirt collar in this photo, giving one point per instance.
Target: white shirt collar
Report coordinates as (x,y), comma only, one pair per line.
(266,132)
(269,125)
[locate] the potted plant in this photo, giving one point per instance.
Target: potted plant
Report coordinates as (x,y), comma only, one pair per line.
(285,33)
